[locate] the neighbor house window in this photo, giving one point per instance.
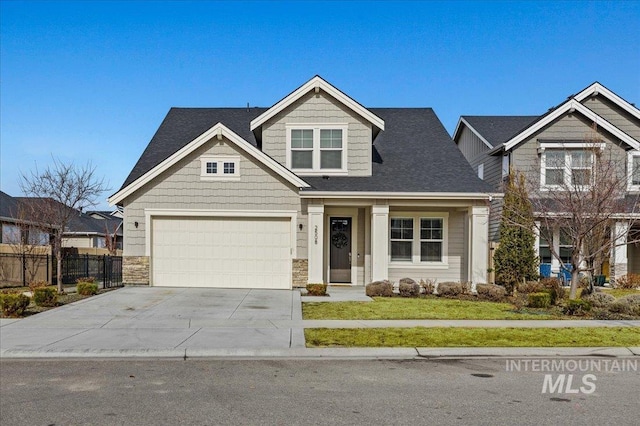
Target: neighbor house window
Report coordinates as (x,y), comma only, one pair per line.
(317,149)
(219,167)
(570,168)
(38,237)
(11,234)
(633,166)
(427,244)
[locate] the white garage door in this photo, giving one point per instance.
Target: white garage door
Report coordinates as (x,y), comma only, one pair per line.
(222,252)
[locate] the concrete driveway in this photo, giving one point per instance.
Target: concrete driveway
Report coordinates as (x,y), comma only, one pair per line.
(161,321)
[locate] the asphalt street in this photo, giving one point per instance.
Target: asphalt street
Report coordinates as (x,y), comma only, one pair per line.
(296,392)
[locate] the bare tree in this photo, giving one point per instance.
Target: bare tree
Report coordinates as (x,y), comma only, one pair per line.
(583,196)
(61,191)
(111,239)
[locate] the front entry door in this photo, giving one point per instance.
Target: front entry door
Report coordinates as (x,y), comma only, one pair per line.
(340,250)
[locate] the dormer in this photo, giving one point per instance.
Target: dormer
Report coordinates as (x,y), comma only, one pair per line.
(319,130)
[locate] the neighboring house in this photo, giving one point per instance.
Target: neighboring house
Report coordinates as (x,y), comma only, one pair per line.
(493,144)
(17,227)
(315,189)
(84,231)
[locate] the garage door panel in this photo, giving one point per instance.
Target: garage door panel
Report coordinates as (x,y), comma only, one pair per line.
(222,252)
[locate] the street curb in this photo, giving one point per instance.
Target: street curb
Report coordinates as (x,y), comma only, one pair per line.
(612,352)
(324,353)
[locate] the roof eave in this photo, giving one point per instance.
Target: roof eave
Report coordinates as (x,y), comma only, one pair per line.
(317,83)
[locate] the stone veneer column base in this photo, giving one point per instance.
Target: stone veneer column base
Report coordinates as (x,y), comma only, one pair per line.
(300,272)
(135,270)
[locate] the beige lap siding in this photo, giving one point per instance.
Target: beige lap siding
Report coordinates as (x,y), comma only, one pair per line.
(321,109)
(180,187)
(457,267)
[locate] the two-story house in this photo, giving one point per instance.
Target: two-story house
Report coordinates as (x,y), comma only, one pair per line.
(315,189)
(554,148)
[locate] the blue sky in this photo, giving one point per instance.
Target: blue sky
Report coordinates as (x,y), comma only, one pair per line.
(91,81)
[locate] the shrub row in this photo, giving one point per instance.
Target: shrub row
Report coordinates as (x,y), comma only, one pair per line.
(312,289)
(13,304)
(627,281)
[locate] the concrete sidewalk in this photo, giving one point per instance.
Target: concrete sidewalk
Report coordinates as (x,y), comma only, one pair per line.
(187,323)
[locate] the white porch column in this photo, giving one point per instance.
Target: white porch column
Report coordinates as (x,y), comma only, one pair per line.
(379,242)
(316,243)
(536,244)
(619,237)
(478,244)
(555,263)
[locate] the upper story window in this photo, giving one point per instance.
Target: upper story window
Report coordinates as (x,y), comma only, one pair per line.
(633,170)
(317,149)
(567,165)
(219,167)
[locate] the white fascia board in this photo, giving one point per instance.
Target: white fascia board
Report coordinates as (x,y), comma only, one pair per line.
(572,105)
(475,132)
(217,130)
(597,88)
(401,195)
(317,82)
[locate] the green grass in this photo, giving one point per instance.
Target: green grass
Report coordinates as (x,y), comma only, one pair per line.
(423,308)
(472,337)
(620,292)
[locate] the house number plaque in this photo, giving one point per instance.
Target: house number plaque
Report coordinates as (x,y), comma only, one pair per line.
(315,234)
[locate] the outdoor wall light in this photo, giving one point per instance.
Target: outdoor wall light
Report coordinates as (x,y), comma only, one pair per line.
(300,227)
(135,224)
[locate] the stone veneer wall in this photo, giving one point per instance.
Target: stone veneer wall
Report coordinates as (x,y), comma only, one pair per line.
(300,272)
(135,270)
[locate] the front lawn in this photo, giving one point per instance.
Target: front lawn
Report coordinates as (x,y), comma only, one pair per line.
(472,337)
(620,292)
(393,308)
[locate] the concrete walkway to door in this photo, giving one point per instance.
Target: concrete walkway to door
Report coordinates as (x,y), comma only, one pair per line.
(162,321)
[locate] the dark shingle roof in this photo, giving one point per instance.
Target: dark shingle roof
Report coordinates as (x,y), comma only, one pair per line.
(183,125)
(499,129)
(79,222)
(413,154)
(8,206)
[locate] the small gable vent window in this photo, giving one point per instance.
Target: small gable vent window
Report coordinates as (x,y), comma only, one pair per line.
(317,149)
(219,168)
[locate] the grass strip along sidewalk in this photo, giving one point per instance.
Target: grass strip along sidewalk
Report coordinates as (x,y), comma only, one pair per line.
(435,308)
(473,337)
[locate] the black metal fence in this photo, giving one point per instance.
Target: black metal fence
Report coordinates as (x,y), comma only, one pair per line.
(21,269)
(105,269)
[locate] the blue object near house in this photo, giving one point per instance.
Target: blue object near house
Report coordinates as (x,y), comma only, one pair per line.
(565,273)
(545,270)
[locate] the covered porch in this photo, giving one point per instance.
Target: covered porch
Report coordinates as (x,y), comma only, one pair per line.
(357,241)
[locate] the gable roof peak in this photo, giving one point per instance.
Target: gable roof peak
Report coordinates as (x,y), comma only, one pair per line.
(317,83)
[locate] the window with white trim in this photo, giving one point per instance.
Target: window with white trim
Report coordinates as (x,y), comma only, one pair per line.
(633,169)
(317,149)
(481,171)
(219,168)
(427,246)
(566,168)
(431,239)
(401,239)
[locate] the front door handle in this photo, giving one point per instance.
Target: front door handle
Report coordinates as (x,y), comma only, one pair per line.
(349,258)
